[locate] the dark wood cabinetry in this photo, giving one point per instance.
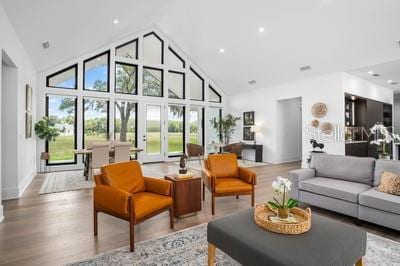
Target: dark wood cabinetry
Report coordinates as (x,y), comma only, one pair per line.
(360,115)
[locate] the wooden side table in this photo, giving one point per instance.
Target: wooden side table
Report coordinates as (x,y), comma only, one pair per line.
(187,194)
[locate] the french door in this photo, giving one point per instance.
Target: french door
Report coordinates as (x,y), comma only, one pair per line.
(153,135)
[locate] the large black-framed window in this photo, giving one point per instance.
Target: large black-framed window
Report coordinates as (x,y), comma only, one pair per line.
(125,121)
(96,73)
(128,50)
(196,86)
(176,130)
(126,78)
(153,82)
(64,79)
(196,125)
(174,60)
(213,95)
(176,85)
(62,112)
(153,48)
(96,114)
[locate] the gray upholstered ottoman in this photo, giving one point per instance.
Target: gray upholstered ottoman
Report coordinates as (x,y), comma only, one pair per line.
(327,243)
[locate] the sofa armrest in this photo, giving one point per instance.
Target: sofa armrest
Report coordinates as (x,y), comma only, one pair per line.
(247,175)
(298,175)
(111,200)
(158,186)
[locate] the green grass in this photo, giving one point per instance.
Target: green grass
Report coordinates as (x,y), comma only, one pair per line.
(62,148)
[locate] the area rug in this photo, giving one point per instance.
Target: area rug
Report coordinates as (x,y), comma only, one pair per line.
(65,181)
(195,165)
(189,247)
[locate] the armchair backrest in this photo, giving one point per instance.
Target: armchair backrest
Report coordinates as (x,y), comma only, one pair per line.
(194,149)
(223,165)
(234,148)
(126,176)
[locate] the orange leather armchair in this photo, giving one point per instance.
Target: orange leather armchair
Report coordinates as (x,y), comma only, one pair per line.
(122,191)
(223,177)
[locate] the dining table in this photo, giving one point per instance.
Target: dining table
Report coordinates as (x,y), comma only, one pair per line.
(87,153)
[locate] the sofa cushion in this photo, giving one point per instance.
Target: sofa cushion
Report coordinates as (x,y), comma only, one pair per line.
(379,200)
(334,188)
(387,166)
(354,169)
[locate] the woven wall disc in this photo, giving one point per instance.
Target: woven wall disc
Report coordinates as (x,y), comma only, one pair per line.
(319,110)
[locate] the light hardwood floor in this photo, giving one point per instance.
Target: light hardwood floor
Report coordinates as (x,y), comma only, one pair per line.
(54,229)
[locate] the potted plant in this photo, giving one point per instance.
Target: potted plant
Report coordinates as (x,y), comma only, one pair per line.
(382,137)
(45,129)
(283,203)
(225,127)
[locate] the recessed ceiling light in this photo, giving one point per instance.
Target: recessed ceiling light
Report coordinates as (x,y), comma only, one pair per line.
(371,72)
(115,21)
(389,81)
(46,45)
(304,68)
(375,75)
(251,82)
(261,29)
(222,50)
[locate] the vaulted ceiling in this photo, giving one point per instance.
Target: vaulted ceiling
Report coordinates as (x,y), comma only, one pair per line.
(328,35)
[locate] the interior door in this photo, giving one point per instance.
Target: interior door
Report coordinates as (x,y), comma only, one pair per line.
(153,135)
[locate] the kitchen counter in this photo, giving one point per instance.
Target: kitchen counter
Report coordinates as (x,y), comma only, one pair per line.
(356,141)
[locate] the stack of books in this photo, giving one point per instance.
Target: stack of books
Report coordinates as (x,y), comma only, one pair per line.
(185,176)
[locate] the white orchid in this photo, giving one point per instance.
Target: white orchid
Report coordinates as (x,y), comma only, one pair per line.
(383,136)
(282,186)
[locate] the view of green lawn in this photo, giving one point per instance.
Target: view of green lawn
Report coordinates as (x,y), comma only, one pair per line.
(62,148)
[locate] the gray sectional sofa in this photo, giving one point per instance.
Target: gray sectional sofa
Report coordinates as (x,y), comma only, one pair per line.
(347,184)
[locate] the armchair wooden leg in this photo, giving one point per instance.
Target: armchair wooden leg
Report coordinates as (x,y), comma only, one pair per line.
(360,262)
(211,254)
(171,218)
(212,204)
(95,221)
(237,196)
(132,235)
(252,199)
(204,192)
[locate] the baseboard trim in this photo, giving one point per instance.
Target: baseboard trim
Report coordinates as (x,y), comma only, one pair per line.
(25,183)
(16,192)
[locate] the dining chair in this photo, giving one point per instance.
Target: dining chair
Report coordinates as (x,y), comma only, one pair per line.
(122,152)
(100,156)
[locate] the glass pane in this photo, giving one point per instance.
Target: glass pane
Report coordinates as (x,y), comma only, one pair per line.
(125,78)
(125,122)
(95,123)
(174,60)
(196,85)
(61,111)
(96,73)
(153,129)
(212,133)
(128,50)
(66,79)
(152,49)
(176,85)
(213,96)
(152,82)
(195,125)
(176,127)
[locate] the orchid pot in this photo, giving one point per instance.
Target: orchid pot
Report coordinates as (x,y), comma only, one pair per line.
(282,203)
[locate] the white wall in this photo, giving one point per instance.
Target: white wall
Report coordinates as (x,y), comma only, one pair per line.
(289,130)
(25,148)
(328,89)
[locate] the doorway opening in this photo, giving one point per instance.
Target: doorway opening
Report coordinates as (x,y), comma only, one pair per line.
(289,130)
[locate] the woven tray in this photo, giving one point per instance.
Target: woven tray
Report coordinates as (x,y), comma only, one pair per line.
(262,216)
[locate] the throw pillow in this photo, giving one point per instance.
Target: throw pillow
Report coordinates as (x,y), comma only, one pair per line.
(390,183)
